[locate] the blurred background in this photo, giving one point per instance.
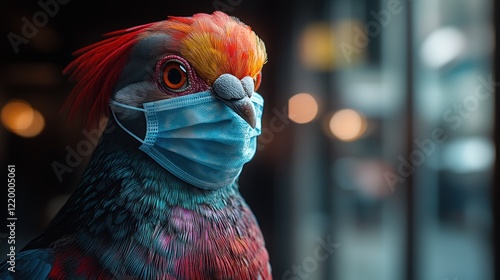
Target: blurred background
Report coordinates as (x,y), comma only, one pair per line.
(378,152)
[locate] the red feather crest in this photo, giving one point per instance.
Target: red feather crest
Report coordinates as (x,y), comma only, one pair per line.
(96,69)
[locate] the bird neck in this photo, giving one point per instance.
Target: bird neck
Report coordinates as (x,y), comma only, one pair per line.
(130,177)
(122,183)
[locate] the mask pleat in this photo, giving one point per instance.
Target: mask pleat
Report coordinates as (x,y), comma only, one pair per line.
(199,139)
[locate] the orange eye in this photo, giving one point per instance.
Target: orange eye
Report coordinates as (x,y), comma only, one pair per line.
(257,79)
(175,76)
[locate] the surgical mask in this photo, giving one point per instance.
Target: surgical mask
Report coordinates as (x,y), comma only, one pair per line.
(198,138)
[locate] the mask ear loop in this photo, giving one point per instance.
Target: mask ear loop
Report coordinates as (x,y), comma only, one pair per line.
(118,121)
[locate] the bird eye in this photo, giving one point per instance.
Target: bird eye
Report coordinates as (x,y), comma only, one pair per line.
(175,76)
(257,79)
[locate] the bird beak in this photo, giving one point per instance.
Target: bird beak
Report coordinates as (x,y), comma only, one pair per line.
(236,95)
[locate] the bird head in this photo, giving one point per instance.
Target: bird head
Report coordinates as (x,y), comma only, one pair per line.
(168,59)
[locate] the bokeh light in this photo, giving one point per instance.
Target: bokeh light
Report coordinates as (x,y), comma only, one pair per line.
(442,46)
(302,108)
(317,46)
(347,125)
(19,117)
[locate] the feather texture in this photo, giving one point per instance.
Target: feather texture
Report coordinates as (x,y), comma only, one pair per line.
(216,44)
(213,44)
(129,219)
(96,69)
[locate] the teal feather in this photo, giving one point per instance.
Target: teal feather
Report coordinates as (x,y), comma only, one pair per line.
(131,218)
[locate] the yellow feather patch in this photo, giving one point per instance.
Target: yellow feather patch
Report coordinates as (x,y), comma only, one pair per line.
(216,44)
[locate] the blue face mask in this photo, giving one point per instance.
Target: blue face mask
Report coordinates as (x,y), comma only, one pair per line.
(198,138)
